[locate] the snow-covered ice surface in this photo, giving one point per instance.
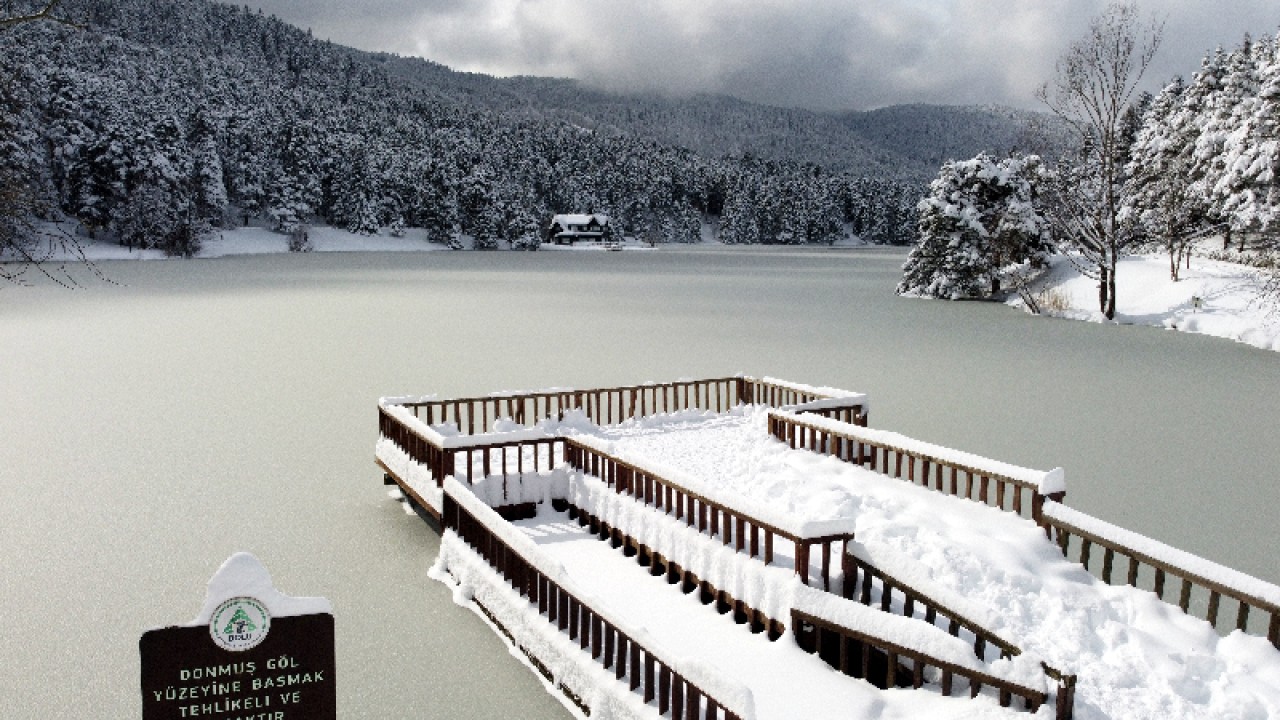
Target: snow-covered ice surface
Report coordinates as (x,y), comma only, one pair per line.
(1136,656)
(1145,295)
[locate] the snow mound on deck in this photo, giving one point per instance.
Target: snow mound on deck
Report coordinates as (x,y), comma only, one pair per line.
(1136,656)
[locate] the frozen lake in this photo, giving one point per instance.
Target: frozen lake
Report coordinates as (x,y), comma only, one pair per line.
(152,427)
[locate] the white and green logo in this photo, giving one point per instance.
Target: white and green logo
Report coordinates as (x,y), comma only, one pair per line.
(239,623)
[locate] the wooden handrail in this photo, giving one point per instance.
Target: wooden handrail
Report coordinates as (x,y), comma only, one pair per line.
(610,405)
(890,460)
(602,406)
(1245,601)
(696,510)
(913,597)
(778,394)
(661,562)
(852,641)
(442,462)
(933,608)
(645,671)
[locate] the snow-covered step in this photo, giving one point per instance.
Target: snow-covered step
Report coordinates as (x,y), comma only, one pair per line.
(773,599)
(784,679)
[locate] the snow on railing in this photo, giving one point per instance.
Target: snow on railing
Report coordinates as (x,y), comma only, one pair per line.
(906,458)
(501,453)
(601,406)
(885,663)
(604,406)
(678,684)
(710,509)
(434,432)
(772,598)
(1248,592)
(805,392)
(858,640)
(758,592)
(864,566)
(415,478)
(826,401)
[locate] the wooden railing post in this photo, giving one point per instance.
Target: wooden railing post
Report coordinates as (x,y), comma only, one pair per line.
(802,561)
(1066,700)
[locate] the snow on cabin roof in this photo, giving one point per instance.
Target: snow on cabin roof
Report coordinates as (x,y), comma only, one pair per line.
(567,219)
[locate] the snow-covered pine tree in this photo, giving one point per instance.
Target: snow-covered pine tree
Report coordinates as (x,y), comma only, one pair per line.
(1246,184)
(978,227)
(1224,136)
(1157,192)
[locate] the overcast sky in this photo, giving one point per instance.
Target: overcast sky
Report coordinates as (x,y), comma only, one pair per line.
(820,54)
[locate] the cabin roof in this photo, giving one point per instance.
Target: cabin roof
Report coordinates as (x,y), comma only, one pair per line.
(564,220)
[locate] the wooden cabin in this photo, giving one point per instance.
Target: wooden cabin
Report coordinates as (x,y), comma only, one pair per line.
(566,229)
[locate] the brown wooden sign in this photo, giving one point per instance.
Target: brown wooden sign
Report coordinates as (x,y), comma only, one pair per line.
(240,661)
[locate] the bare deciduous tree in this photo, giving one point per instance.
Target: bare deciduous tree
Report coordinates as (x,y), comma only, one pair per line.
(1096,81)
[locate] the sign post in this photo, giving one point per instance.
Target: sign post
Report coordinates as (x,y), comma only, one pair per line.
(253,653)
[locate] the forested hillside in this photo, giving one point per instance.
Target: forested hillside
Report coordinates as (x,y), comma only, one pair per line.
(158,120)
(904,142)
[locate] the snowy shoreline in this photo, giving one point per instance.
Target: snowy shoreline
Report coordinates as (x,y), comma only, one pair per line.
(1230,306)
(255,240)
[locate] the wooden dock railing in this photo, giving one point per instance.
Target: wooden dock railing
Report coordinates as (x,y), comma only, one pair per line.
(710,517)
(663,564)
(847,407)
(606,406)
(870,664)
(887,664)
(494,458)
(645,671)
(603,406)
(857,446)
(860,575)
(1248,593)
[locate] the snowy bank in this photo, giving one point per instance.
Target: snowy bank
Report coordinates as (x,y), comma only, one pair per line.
(1228,293)
(254,240)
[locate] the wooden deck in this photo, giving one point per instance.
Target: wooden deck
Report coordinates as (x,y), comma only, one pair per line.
(805,419)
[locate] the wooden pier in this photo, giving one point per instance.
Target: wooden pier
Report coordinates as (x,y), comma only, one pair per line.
(439,451)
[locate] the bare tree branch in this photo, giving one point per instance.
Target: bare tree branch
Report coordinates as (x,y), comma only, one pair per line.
(44,13)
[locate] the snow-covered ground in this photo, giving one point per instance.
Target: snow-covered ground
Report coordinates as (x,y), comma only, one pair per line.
(255,240)
(1136,656)
(1145,295)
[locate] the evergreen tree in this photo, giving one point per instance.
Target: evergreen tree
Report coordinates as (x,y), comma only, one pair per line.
(1157,193)
(979,226)
(1246,179)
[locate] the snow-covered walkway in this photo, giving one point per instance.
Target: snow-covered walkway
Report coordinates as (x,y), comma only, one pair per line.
(1136,656)
(786,682)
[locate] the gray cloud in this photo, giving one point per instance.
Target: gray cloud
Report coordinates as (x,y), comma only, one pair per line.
(823,54)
